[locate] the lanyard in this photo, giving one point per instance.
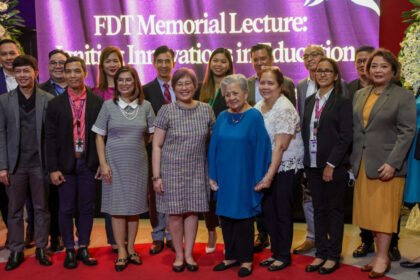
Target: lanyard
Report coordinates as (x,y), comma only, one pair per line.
(318,112)
(77,112)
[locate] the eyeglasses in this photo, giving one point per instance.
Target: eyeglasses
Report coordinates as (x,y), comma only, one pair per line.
(186,84)
(361,61)
(57,63)
(311,55)
(324,71)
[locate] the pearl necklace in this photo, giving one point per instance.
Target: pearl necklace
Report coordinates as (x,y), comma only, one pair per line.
(130,115)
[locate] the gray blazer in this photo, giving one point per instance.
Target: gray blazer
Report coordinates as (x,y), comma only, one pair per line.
(288,85)
(389,132)
(10,126)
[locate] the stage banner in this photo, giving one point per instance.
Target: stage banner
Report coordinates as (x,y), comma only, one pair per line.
(193,28)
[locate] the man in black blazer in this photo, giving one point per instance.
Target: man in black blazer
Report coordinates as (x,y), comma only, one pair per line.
(361,57)
(159,92)
(72,159)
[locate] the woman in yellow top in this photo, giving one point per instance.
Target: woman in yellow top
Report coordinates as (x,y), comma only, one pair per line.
(384,122)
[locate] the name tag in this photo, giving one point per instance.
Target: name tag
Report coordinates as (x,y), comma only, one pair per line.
(79,146)
(313,146)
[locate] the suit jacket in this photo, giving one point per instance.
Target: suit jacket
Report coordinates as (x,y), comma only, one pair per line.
(335,131)
(59,133)
(48,87)
(389,132)
(354,86)
(3,85)
(10,127)
(288,86)
(302,87)
(153,94)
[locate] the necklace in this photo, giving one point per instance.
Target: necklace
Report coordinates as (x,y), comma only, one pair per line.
(130,115)
(236,118)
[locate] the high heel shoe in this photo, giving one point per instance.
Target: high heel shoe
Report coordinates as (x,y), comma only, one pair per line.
(120,267)
(374,275)
(134,258)
(191,267)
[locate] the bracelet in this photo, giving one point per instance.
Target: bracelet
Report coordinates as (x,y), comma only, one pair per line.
(156,178)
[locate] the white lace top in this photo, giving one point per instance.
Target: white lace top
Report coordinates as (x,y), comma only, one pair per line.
(284,119)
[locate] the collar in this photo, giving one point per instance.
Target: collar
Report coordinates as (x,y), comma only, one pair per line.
(7,75)
(163,82)
(74,96)
(326,96)
(309,80)
(133,104)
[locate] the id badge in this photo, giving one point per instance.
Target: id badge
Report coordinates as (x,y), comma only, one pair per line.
(79,146)
(313,146)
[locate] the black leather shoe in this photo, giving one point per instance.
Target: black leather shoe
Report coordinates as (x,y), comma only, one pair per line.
(157,247)
(178,268)
(56,244)
(276,267)
(261,242)
(222,266)
(42,256)
(170,245)
(70,261)
(394,254)
(120,264)
(363,250)
(244,272)
(324,270)
(191,267)
(29,239)
(314,267)
(14,260)
(267,262)
(85,257)
(408,264)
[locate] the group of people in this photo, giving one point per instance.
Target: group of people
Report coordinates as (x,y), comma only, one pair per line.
(230,147)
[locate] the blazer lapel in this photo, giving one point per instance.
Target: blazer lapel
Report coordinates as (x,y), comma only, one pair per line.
(360,104)
(39,112)
(308,111)
(382,99)
(14,106)
(328,106)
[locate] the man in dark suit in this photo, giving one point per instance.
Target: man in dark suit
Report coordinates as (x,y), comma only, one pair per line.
(159,92)
(262,55)
(9,50)
(22,115)
(361,57)
(72,159)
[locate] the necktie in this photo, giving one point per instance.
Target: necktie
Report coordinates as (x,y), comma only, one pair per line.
(167,94)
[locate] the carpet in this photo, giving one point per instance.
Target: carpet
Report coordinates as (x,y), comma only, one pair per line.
(159,267)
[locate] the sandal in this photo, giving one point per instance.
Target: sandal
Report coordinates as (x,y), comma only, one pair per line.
(120,264)
(134,258)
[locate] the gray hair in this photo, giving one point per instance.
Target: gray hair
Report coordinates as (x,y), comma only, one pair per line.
(234,79)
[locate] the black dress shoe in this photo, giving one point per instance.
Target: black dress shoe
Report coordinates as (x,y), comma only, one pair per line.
(191,267)
(56,244)
(14,260)
(314,267)
(394,254)
(222,266)
(157,247)
(408,264)
(261,242)
(85,257)
(178,268)
(120,264)
(276,267)
(363,250)
(244,272)
(267,262)
(70,261)
(324,270)
(42,256)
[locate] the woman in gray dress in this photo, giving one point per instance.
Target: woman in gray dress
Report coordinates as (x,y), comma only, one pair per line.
(179,164)
(125,120)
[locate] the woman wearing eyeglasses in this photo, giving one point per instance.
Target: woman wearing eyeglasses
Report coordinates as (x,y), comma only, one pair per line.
(327,135)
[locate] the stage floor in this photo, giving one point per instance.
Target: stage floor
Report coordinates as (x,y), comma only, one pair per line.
(409,243)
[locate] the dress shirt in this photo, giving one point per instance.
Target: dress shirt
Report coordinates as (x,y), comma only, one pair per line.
(171,90)
(11,83)
(77,101)
(312,88)
(258,96)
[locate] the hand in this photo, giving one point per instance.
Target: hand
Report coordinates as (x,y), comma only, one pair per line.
(265,183)
(158,186)
(4,177)
(327,175)
(57,178)
(106,173)
(98,175)
(386,172)
(213,185)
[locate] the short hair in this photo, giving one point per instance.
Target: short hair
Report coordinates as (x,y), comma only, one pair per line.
(337,83)
(163,49)
(234,79)
(9,41)
(367,49)
(72,59)
(138,89)
(182,72)
(25,60)
(56,51)
(266,47)
(278,75)
(389,57)
(106,52)
(317,48)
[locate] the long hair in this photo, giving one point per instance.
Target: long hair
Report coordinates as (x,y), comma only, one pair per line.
(208,87)
(138,90)
(102,79)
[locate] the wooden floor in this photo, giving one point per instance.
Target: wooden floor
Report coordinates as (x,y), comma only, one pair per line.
(409,243)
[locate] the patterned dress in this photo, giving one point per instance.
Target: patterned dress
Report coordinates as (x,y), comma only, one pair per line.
(125,126)
(183,160)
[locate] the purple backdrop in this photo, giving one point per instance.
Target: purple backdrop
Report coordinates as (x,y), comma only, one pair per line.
(195,27)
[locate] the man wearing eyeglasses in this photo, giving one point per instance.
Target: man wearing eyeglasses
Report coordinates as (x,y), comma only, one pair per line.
(362,55)
(56,84)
